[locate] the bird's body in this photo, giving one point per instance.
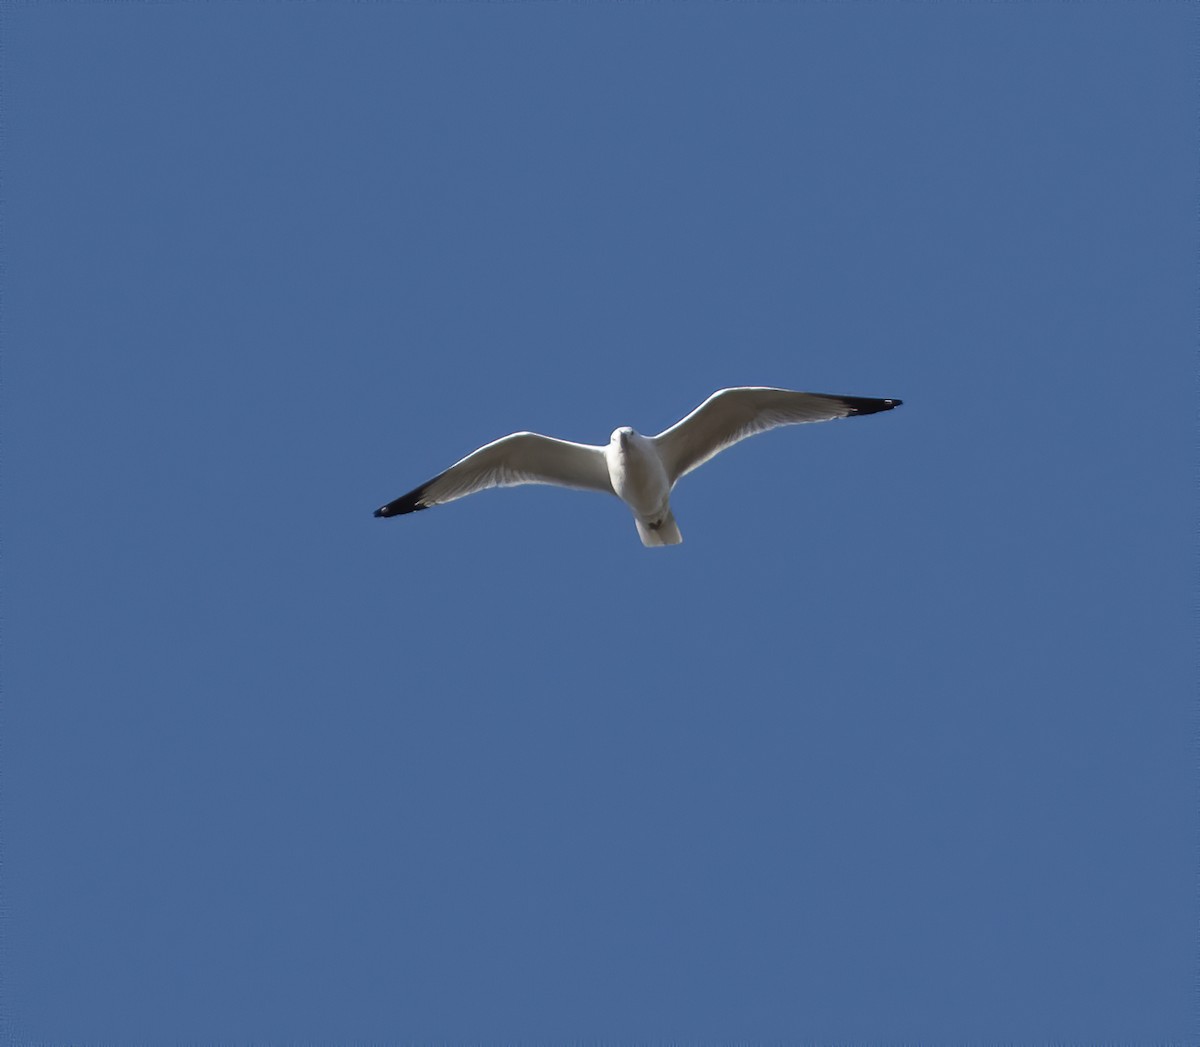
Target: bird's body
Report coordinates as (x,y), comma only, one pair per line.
(640,470)
(639,479)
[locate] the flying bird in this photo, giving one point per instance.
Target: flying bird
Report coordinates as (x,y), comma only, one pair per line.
(640,470)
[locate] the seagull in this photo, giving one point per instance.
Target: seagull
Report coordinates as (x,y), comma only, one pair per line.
(640,470)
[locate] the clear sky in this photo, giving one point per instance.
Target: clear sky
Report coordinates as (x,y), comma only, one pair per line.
(898,746)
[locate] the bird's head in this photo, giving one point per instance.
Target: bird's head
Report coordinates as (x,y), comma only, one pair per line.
(622,436)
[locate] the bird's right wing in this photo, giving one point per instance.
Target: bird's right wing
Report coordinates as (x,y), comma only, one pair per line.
(522,458)
(730,415)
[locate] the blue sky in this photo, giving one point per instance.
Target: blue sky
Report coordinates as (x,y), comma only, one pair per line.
(900,747)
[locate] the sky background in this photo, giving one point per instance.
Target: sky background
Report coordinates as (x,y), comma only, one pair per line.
(899,745)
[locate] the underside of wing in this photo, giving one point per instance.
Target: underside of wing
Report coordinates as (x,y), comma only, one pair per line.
(730,415)
(522,458)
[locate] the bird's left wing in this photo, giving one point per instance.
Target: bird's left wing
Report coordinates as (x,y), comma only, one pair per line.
(521,458)
(730,415)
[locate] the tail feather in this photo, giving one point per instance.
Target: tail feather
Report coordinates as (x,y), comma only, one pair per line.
(666,533)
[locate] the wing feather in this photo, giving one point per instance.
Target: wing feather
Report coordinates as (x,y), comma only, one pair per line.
(520,458)
(730,415)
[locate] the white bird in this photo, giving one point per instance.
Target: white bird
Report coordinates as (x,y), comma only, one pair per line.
(640,470)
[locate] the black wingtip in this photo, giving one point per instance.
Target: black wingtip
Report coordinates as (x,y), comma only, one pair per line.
(406,503)
(868,405)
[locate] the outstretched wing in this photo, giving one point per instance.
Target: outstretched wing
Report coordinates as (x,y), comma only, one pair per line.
(730,415)
(522,458)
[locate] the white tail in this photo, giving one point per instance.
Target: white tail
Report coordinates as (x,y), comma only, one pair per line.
(666,533)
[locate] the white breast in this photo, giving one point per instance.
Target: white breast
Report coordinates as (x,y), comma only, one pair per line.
(637,473)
